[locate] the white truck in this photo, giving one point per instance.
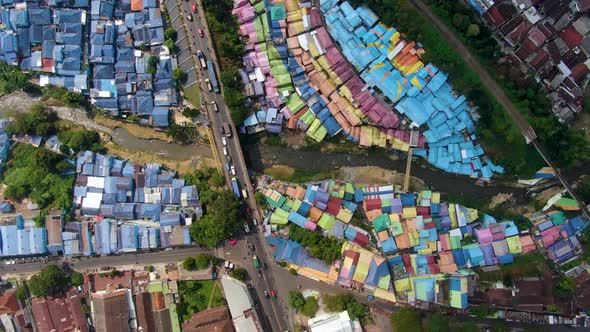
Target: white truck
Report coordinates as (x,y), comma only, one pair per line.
(202,59)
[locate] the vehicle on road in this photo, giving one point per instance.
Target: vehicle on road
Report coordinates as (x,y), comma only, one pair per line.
(233,242)
(244,193)
(273,293)
(214,104)
(235,187)
(256,261)
(227,129)
(255,222)
(266,293)
(246,229)
(201,33)
(231,266)
(233,169)
(189,17)
(213,75)
(227,166)
(226,264)
(224,141)
(194,8)
(209,86)
(222,130)
(225,151)
(201,57)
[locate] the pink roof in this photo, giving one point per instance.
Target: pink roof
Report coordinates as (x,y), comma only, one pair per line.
(550,236)
(484,235)
(324,37)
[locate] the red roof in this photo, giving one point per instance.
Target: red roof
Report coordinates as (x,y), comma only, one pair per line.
(59,313)
(422,210)
(100,283)
(8,302)
(537,36)
(333,206)
(571,37)
(579,72)
(361,239)
(539,60)
(47,65)
(494,16)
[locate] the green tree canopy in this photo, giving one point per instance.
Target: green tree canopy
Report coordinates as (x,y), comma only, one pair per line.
(473,30)
(39,120)
(170,33)
(77,278)
(189,264)
(327,249)
(311,307)
(296,300)
(437,323)
(239,273)
(202,261)
(406,319)
(221,221)
(178,74)
(50,280)
(79,140)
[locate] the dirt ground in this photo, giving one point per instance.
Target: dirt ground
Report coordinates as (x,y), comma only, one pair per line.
(378,175)
(499,199)
(182,167)
(134,129)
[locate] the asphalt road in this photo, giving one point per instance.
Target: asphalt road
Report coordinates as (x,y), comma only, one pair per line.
(525,128)
(272,317)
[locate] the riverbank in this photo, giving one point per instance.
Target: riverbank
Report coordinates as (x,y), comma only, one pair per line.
(261,157)
(126,140)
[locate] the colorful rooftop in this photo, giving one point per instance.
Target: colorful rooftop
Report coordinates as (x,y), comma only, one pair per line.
(299,54)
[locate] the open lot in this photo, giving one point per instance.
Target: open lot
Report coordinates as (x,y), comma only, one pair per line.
(198,295)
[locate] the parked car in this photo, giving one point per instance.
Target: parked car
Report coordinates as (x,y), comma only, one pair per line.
(233,242)
(214,104)
(194,8)
(266,293)
(201,33)
(224,141)
(273,293)
(225,152)
(255,222)
(233,169)
(189,17)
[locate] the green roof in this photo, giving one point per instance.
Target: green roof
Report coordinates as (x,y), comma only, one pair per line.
(558,218)
(395,228)
(455,242)
(295,103)
(279,217)
(326,221)
(154,288)
(380,223)
(277,12)
(307,117)
(174,318)
(274,204)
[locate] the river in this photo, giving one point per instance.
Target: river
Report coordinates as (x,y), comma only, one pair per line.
(260,156)
(173,151)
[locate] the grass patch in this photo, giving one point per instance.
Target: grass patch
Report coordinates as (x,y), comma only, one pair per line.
(193,95)
(197,295)
(297,175)
(524,266)
(40,175)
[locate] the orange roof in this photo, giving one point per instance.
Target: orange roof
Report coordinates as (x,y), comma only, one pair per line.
(402,241)
(315,214)
(8,302)
(158,301)
(136,5)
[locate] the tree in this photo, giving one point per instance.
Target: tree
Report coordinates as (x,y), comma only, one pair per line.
(189,264)
(311,307)
(22,292)
(356,309)
(152,64)
(207,232)
(468,327)
(77,278)
(239,273)
(150,268)
(507,280)
(296,300)
(16,193)
(437,323)
(336,303)
(327,249)
(37,121)
(461,22)
(202,261)
(169,43)
(170,33)
(293,271)
(473,30)
(182,134)
(406,319)
(178,74)
(583,189)
(217,179)
(565,286)
(50,280)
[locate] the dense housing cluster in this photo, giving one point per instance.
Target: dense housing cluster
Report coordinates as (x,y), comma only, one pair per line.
(98,48)
(297,74)
(548,39)
(422,240)
(123,207)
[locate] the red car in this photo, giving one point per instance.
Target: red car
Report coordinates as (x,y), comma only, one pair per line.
(273,293)
(233,242)
(201,33)
(195,9)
